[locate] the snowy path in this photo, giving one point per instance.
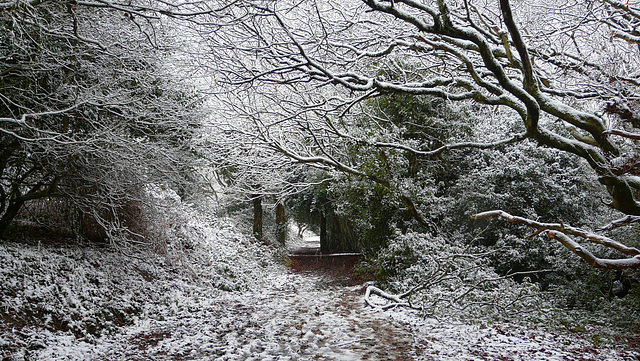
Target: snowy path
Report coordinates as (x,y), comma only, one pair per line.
(304,318)
(299,317)
(311,317)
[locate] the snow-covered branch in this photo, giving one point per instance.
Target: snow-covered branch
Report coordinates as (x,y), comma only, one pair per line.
(344,55)
(561,233)
(395,300)
(89,112)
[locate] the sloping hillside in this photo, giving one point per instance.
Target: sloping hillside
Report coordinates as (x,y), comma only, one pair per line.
(87,293)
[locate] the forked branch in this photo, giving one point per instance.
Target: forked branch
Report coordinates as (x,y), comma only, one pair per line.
(561,233)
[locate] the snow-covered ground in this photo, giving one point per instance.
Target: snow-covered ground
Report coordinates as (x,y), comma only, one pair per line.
(309,240)
(234,299)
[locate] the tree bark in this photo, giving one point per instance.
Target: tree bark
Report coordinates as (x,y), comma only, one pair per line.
(324,241)
(257,217)
(281,223)
(10,213)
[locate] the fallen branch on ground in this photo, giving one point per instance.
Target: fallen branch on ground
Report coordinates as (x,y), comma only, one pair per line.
(396,300)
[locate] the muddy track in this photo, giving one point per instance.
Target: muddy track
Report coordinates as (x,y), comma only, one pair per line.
(335,268)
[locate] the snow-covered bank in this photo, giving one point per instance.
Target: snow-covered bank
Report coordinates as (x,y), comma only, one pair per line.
(54,296)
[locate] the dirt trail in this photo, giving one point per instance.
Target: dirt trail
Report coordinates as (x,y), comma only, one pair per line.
(361,334)
(309,316)
(313,311)
(316,312)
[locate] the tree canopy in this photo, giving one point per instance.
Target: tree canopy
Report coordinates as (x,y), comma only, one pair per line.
(297,78)
(566,70)
(89,111)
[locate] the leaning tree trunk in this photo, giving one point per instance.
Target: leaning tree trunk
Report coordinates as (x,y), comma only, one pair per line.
(9,214)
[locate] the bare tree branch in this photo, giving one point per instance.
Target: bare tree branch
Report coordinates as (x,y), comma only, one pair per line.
(622,222)
(560,232)
(623,133)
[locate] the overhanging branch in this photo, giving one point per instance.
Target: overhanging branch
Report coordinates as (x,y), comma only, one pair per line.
(561,232)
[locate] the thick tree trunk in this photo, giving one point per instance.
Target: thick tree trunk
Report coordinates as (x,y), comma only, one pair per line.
(257,217)
(9,214)
(324,241)
(281,224)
